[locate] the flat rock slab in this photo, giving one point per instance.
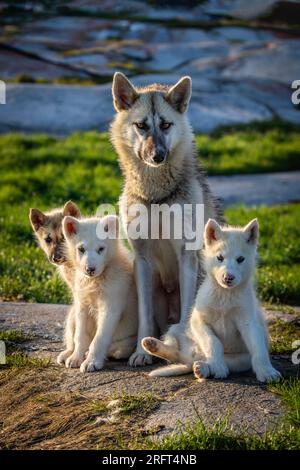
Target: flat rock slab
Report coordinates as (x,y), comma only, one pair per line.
(62,109)
(248,404)
(267,188)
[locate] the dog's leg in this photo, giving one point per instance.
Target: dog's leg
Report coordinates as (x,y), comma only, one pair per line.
(160,349)
(69,337)
(212,348)
(188,268)
(144,274)
(81,338)
(254,336)
(107,322)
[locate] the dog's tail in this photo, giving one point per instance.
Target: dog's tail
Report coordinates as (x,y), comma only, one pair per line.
(171,370)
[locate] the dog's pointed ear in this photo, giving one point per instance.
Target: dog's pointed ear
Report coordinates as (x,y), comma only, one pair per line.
(180,94)
(37,219)
(251,231)
(70,208)
(124,93)
(212,232)
(110,224)
(69,226)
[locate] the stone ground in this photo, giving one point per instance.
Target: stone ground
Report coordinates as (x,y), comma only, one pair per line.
(180,400)
(267,188)
(241,72)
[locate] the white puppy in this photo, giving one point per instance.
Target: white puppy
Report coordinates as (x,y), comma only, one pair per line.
(226,331)
(105,299)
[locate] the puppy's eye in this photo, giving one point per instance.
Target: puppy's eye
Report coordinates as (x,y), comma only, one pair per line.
(240,259)
(81,249)
(100,250)
(141,125)
(220,258)
(48,240)
(165,125)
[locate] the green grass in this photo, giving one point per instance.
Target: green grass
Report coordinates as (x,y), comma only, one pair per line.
(44,172)
(282,336)
(256,148)
(223,436)
(19,360)
(125,404)
(279,250)
(14,336)
(16,358)
(142,403)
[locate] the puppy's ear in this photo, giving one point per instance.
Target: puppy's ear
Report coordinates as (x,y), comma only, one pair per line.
(37,219)
(212,232)
(70,208)
(251,231)
(124,93)
(69,226)
(110,225)
(179,95)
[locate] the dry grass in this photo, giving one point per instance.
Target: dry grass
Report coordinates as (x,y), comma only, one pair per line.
(36,414)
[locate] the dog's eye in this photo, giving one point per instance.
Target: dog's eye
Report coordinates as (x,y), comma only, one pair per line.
(81,249)
(48,240)
(100,250)
(240,259)
(165,125)
(141,125)
(220,258)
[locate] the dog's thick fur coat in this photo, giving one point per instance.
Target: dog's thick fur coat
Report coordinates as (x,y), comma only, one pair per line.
(156,150)
(227,330)
(47,227)
(105,299)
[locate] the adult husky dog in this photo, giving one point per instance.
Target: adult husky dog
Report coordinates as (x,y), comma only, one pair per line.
(155,144)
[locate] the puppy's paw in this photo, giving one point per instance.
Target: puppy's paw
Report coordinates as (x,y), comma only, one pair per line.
(91,365)
(150,344)
(63,356)
(201,370)
(139,359)
(74,361)
(219,370)
(268,374)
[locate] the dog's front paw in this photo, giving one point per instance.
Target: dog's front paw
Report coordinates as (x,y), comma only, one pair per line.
(63,356)
(91,365)
(74,361)
(218,370)
(139,359)
(201,370)
(268,374)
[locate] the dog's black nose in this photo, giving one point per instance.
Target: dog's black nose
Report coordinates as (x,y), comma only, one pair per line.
(90,270)
(159,157)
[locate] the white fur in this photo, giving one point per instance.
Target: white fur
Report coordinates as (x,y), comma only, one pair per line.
(105,303)
(227,330)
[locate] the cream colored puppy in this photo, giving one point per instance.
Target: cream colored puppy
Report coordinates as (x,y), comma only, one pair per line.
(227,330)
(105,299)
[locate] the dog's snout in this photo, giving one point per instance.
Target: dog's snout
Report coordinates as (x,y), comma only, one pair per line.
(90,270)
(228,278)
(56,258)
(160,156)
